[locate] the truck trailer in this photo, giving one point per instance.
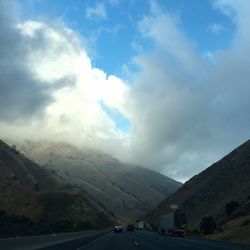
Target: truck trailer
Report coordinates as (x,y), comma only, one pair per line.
(173,224)
(139,224)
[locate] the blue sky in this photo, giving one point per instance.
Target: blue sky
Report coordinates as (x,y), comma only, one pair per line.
(160,83)
(112,35)
(114,39)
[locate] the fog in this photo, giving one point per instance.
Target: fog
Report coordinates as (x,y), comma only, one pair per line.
(187,108)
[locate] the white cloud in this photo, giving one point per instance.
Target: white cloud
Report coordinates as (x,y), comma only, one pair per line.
(196,106)
(114,3)
(187,109)
(216,28)
(238,11)
(163,30)
(68,86)
(96,11)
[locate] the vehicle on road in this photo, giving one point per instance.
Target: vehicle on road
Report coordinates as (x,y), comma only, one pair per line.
(118,229)
(130,228)
(173,224)
(139,224)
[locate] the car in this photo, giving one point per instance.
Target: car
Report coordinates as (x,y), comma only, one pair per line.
(130,227)
(118,229)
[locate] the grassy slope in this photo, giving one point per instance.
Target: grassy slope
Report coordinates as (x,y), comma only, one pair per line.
(115,187)
(237,230)
(207,193)
(27,189)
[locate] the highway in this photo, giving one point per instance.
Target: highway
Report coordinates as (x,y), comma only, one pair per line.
(138,240)
(152,241)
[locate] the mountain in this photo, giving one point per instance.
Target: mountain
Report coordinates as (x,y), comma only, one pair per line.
(124,192)
(34,201)
(221,191)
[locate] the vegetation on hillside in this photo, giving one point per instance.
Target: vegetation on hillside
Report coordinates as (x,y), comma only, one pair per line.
(34,202)
(116,188)
(217,200)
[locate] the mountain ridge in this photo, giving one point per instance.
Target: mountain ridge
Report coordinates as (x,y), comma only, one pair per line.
(208,193)
(32,201)
(114,187)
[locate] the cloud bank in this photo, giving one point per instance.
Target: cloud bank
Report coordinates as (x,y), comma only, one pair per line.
(49,88)
(196,108)
(187,110)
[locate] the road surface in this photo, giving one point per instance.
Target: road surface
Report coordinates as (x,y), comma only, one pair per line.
(138,240)
(152,241)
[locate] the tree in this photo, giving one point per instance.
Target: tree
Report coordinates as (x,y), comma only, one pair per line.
(231,207)
(36,187)
(2,213)
(207,225)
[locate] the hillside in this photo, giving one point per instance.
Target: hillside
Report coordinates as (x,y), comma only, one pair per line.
(122,191)
(208,193)
(34,201)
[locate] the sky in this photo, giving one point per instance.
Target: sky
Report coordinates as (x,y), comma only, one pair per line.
(163,84)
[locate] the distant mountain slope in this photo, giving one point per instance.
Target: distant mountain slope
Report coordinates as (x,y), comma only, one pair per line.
(123,191)
(33,201)
(208,193)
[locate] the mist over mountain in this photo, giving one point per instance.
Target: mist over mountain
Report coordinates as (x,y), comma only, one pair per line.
(171,106)
(111,105)
(123,191)
(33,201)
(221,191)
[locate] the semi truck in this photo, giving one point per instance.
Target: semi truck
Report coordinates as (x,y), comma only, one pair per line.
(173,224)
(139,224)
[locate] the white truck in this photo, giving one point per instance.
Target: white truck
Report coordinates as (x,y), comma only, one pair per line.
(139,224)
(173,224)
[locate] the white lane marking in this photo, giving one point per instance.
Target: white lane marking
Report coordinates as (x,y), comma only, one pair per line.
(136,243)
(90,243)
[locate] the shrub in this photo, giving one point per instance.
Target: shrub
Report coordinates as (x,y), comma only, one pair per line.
(231,207)
(207,225)
(246,222)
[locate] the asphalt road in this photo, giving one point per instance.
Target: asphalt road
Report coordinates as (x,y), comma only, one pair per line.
(52,241)
(152,241)
(138,240)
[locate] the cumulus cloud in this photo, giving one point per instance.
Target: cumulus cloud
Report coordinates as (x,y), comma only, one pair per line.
(22,93)
(49,88)
(96,11)
(196,109)
(238,11)
(186,110)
